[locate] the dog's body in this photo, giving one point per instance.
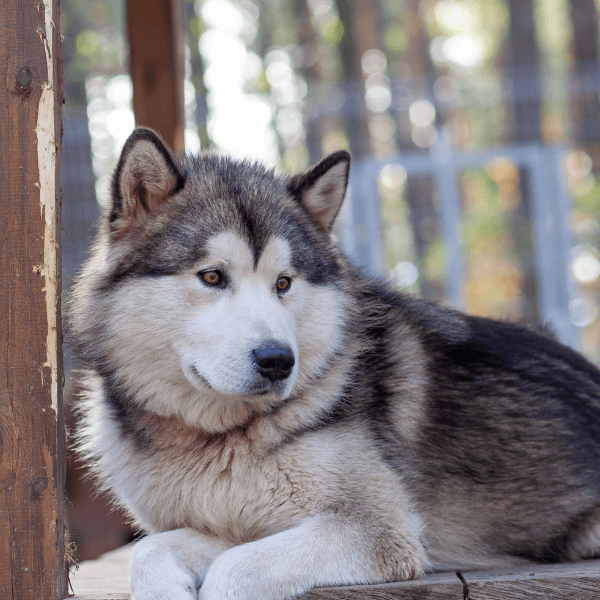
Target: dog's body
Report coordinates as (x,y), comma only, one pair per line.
(278,422)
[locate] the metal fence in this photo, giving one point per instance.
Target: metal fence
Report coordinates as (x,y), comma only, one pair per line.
(527,100)
(80,208)
(361,236)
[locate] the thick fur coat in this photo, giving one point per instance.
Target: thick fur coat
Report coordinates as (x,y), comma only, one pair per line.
(277,421)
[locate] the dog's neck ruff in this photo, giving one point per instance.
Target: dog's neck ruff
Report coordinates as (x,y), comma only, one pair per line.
(264,425)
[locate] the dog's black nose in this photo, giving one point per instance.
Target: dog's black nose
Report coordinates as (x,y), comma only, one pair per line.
(273,360)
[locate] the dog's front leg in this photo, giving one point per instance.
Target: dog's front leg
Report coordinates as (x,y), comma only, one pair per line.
(172,565)
(323,550)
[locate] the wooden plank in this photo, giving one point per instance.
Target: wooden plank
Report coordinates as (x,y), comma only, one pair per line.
(577,581)
(32,440)
(157,67)
(107,578)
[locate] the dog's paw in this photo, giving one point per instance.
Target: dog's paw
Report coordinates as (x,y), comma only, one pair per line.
(240,574)
(158,574)
(313,554)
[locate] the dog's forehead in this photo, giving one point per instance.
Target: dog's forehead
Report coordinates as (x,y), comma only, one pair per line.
(235,249)
(231,207)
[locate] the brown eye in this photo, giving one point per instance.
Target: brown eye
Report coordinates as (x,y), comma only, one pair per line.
(211,277)
(283,283)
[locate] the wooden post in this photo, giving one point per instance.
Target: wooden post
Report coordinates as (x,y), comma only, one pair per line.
(32,440)
(157,67)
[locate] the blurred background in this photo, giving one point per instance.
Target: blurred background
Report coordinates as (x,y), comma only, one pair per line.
(474,129)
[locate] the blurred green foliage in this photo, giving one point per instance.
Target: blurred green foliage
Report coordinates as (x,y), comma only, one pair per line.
(496,236)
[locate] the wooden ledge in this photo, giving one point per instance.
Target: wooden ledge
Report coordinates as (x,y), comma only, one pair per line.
(107,578)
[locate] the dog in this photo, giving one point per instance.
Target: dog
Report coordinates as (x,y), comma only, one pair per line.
(277,421)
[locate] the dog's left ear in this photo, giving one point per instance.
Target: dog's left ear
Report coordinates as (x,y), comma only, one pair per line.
(321,190)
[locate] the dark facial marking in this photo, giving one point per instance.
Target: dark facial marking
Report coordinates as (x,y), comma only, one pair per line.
(255,240)
(222,195)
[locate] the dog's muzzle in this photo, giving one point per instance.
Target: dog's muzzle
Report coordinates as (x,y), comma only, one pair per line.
(274,360)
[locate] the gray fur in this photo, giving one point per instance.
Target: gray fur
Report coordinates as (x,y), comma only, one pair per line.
(407,437)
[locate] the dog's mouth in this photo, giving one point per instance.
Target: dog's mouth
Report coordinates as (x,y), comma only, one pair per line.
(197,375)
(262,391)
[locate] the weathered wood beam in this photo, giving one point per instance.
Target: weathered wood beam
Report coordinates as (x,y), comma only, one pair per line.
(32,439)
(157,67)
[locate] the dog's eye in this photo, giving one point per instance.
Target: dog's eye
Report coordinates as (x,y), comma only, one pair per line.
(211,277)
(283,283)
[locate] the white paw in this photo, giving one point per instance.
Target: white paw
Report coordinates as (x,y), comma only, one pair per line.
(241,574)
(158,574)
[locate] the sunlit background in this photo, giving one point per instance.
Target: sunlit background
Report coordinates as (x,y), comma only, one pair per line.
(474,127)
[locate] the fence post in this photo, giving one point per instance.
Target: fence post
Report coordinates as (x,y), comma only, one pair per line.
(450,214)
(157,67)
(32,440)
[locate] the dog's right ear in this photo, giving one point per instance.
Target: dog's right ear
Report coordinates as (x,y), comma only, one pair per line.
(146,176)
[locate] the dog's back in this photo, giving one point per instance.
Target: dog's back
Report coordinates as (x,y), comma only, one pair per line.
(507,455)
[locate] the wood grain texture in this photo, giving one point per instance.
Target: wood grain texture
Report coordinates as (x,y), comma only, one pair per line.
(579,581)
(157,67)
(107,578)
(32,444)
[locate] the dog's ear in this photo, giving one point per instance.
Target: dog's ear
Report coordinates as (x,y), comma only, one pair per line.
(146,176)
(321,189)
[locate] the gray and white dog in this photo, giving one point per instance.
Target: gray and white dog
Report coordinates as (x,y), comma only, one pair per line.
(276,421)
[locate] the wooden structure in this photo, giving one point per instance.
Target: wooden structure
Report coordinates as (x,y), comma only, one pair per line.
(32,438)
(157,67)
(108,579)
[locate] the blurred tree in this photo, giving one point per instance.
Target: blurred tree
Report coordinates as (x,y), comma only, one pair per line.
(362,33)
(93,43)
(584,15)
(420,72)
(311,70)
(266,26)
(585,106)
(194,28)
(523,71)
(417,59)
(73,20)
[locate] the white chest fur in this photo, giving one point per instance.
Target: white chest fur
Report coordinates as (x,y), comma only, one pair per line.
(217,484)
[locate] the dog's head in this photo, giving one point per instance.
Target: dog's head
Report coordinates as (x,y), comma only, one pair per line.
(217,289)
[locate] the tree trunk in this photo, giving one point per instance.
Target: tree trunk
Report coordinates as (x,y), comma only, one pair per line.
(585,103)
(424,215)
(311,70)
(361,33)
(197,76)
(523,71)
